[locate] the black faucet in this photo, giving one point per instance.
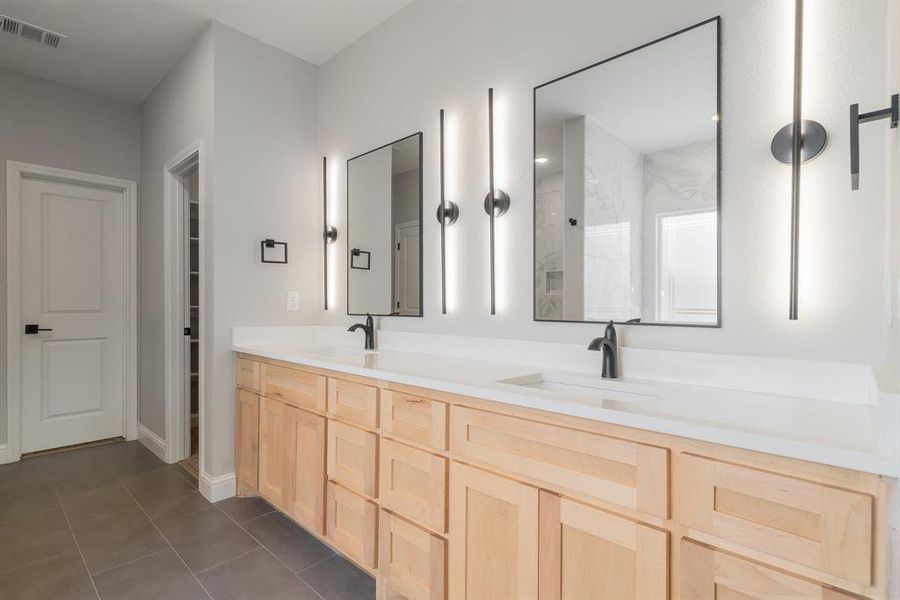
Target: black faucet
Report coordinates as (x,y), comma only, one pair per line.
(369,328)
(608,345)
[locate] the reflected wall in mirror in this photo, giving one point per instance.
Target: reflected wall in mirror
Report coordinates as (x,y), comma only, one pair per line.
(626,182)
(384,225)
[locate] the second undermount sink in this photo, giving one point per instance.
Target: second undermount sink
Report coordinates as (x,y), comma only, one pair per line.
(590,386)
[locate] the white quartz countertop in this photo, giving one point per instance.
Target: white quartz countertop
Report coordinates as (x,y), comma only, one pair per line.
(853,435)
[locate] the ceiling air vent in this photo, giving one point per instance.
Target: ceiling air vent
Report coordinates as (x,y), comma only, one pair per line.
(32,33)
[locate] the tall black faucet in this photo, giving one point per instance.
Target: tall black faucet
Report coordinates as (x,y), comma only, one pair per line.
(608,345)
(369,328)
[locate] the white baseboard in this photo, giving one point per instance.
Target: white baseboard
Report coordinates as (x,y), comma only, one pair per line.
(153,442)
(217,488)
(3,454)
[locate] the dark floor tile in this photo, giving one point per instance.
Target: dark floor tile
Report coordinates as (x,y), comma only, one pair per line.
(254,575)
(177,505)
(94,502)
(155,490)
(110,541)
(62,577)
(243,509)
(132,459)
(25,472)
(34,537)
(338,579)
(159,576)
(206,538)
(294,546)
(82,477)
(22,500)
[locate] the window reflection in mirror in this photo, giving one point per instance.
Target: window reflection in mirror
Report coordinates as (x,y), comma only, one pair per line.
(626,187)
(384,222)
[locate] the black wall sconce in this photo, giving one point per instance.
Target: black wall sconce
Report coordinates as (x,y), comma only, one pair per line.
(270,245)
(796,143)
(329,232)
(447,214)
(892,112)
(496,203)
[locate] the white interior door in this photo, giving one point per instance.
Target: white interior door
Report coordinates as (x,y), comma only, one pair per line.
(73,259)
(406,278)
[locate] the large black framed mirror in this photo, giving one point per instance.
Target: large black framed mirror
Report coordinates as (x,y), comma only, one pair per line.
(384,230)
(626,186)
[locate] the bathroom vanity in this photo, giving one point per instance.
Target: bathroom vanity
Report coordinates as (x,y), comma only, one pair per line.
(452,478)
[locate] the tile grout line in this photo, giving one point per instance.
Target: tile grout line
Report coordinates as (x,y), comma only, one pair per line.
(266,548)
(130,562)
(228,560)
(77,545)
(166,540)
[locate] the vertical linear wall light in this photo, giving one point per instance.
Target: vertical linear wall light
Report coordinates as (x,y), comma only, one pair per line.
(447,214)
(329,232)
(794,144)
(496,203)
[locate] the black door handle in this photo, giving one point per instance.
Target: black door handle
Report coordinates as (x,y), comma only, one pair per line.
(32,329)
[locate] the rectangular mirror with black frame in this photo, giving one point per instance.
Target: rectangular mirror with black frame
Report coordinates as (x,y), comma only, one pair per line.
(626,186)
(384,230)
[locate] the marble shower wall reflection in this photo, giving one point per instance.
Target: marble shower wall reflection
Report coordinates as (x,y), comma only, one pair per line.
(626,190)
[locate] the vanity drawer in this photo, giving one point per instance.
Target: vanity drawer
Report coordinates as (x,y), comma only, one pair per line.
(413,483)
(619,472)
(709,574)
(413,418)
(813,525)
(351,524)
(352,457)
(355,402)
(412,562)
(246,374)
(292,386)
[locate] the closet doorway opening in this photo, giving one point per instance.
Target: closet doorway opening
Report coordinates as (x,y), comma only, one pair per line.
(184,318)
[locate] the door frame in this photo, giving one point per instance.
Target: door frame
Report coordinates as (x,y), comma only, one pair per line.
(176,445)
(15,172)
(398,227)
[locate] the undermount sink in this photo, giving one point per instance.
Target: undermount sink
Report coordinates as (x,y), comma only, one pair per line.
(343,352)
(588,386)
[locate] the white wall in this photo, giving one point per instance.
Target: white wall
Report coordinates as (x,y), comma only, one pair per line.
(175,115)
(49,124)
(445,55)
(266,186)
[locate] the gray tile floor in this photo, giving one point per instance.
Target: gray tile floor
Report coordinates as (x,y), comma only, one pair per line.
(114,521)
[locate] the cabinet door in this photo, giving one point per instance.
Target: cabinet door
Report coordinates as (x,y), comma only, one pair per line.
(708,574)
(414,418)
(246,374)
(589,553)
(274,429)
(306,455)
(246,441)
(412,563)
(355,402)
(494,533)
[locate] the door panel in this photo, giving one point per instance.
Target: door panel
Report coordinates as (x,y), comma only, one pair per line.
(307,466)
(413,483)
(494,528)
(352,524)
(273,457)
(246,444)
(412,563)
(73,282)
(627,559)
(353,457)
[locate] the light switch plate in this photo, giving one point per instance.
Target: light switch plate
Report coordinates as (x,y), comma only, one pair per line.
(293,301)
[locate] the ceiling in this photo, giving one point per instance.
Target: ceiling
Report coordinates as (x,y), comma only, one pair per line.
(122,49)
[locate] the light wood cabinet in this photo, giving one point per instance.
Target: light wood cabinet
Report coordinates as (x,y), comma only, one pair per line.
(274,431)
(412,563)
(709,574)
(306,446)
(414,418)
(620,472)
(351,524)
(352,457)
(246,374)
(810,524)
(413,483)
(494,536)
(297,388)
(354,402)
(246,442)
(589,553)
